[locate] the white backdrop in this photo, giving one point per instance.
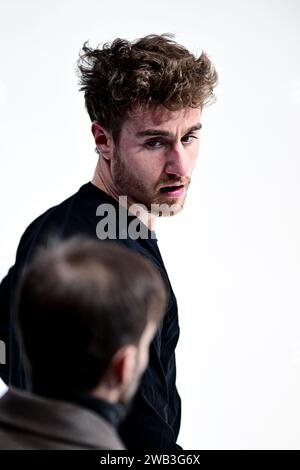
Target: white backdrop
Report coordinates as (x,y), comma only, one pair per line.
(233,254)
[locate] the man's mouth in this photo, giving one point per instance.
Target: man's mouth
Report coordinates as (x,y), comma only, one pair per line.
(173,191)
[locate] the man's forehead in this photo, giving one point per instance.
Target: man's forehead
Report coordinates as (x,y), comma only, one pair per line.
(161,118)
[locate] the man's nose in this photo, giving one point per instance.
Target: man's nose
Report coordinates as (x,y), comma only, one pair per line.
(177,161)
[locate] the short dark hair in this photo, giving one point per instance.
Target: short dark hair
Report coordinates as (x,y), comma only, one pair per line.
(154,70)
(78,302)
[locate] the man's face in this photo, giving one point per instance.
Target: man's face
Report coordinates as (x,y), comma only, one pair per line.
(154,159)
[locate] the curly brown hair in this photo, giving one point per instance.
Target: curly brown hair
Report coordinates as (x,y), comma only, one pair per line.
(124,76)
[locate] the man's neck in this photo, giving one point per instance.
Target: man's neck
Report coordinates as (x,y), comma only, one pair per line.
(132,206)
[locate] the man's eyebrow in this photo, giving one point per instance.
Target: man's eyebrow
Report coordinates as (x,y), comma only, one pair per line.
(163,133)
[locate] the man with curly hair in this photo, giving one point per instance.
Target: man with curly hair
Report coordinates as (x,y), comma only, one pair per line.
(145,100)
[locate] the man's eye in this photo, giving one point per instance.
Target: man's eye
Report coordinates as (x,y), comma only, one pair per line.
(154,143)
(188,138)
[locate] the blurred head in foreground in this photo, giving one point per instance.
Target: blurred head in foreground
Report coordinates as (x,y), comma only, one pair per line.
(87,314)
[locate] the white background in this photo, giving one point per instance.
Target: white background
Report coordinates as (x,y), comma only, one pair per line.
(233,254)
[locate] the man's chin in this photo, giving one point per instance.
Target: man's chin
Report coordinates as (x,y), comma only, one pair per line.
(167,207)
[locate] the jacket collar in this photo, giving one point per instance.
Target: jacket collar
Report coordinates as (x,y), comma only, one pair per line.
(60,420)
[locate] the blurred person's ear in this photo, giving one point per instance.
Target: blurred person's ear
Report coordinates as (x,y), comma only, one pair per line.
(124,366)
(121,374)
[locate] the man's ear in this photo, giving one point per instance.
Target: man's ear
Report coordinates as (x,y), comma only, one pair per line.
(123,365)
(103,140)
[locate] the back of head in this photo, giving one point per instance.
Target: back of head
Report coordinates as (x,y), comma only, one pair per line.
(78,302)
(125,77)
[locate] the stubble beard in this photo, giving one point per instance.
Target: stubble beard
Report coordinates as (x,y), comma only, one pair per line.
(128,185)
